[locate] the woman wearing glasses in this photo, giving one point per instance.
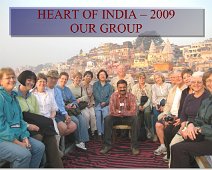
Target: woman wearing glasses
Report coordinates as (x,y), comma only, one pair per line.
(16,146)
(198,132)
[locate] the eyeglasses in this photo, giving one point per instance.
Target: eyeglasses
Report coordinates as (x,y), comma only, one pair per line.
(196,82)
(9,78)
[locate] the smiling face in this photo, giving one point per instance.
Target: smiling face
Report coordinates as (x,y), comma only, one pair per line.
(41,84)
(122,88)
(88,78)
(102,76)
(63,80)
(51,82)
(178,80)
(172,79)
(8,81)
(197,84)
(77,80)
(158,79)
(29,84)
(187,79)
(141,80)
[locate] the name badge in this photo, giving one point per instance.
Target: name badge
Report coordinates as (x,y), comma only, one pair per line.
(15,126)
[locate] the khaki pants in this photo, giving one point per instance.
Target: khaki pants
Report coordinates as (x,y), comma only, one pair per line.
(177,139)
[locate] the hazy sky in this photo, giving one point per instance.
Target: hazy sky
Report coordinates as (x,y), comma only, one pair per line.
(17,51)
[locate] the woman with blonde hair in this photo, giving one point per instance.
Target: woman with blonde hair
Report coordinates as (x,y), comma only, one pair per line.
(143,93)
(160,92)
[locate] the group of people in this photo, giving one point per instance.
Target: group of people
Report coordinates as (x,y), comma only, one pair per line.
(43,108)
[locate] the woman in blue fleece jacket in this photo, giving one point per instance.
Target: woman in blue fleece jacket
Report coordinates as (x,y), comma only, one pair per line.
(16,146)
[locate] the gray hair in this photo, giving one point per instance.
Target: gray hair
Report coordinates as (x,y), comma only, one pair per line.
(198,74)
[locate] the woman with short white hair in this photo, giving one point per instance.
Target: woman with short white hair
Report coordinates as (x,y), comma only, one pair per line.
(191,105)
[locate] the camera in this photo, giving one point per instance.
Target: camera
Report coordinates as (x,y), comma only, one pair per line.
(162,102)
(143,100)
(169,118)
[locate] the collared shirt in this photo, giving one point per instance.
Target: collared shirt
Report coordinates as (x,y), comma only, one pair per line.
(12,125)
(67,95)
(160,92)
(46,101)
(176,102)
(59,100)
(89,91)
(126,104)
(169,102)
(146,91)
(28,103)
(102,93)
(78,92)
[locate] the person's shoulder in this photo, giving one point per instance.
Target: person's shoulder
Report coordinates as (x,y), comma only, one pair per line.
(57,87)
(207,101)
(168,85)
(32,96)
(172,88)
(130,94)
(135,85)
(95,83)
(108,84)
(115,93)
(14,93)
(128,76)
(1,96)
(186,90)
(148,85)
(71,86)
(206,93)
